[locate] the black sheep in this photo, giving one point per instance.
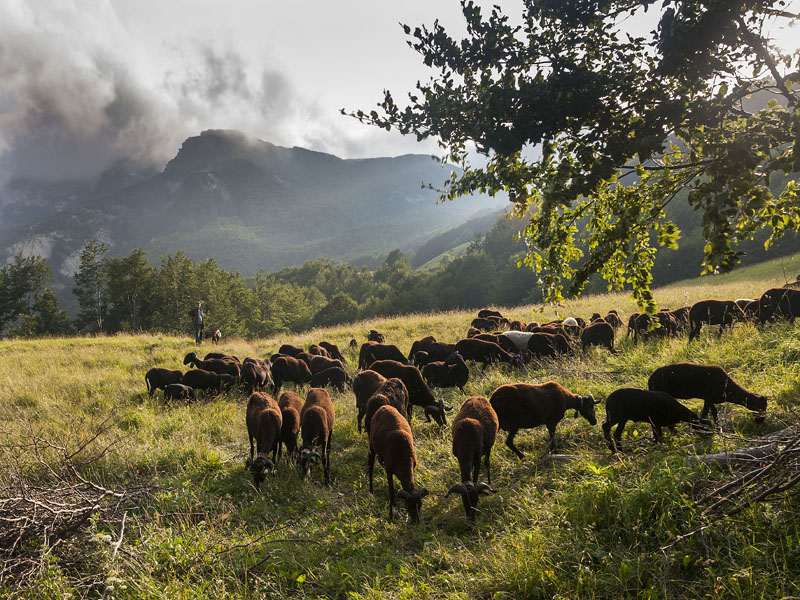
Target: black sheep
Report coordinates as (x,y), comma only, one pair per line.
(524,405)
(375,336)
(452,372)
(485,313)
(255,374)
(440,351)
(333,350)
(178,391)
(485,324)
(779,303)
(709,382)
(364,385)
(317,350)
(289,350)
(474,431)
(713,312)
(391,440)
(599,333)
(320,363)
(158,378)
(486,352)
(332,376)
(200,379)
(542,345)
(500,339)
(316,426)
(286,368)
(632,404)
(223,366)
(372,351)
(263,420)
(421,346)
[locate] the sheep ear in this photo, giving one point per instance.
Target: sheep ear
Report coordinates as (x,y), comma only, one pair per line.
(485,488)
(591,397)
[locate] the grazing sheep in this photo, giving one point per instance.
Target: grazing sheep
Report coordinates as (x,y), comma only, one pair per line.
(613,319)
(632,404)
(472,332)
(517,325)
(375,336)
(486,313)
(474,431)
(333,350)
(158,378)
(255,374)
(486,352)
(286,368)
(216,337)
(452,372)
(519,339)
(709,382)
(207,381)
(320,363)
(178,391)
(316,425)
(440,351)
(779,303)
(713,312)
(751,311)
(484,324)
(392,392)
(364,385)
(524,405)
(391,440)
(353,344)
(263,420)
(318,350)
(305,357)
(599,333)
(639,323)
(681,316)
(220,355)
(333,376)
(290,406)
(372,351)
(420,346)
(419,394)
(501,340)
(223,366)
(289,350)
(421,359)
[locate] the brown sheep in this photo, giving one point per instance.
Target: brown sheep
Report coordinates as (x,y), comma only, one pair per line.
(200,379)
(223,366)
(599,333)
(486,352)
(485,313)
(372,351)
(500,339)
(289,350)
(286,368)
(419,394)
(178,391)
(333,376)
(392,392)
(255,374)
(485,324)
(333,350)
(263,420)
(713,312)
(472,332)
(364,385)
(524,405)
(452,372)
(421,346)
(318,350)
(709,382)
(316,425)
(440,351)
(613,319)
(474,431)
(158,379)
(391,440)
(375,336)
(290,406)
(779,303)
(320,363)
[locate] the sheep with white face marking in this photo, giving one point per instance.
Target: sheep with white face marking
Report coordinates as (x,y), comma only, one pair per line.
(263,421)
(391,440)
(474,431)
(524,405)
(632,404)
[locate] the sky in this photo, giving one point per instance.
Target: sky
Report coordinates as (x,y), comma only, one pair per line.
(84,83)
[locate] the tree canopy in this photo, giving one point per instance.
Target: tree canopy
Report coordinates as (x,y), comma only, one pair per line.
(593,130)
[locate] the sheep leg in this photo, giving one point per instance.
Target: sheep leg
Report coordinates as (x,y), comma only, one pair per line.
(607,435)
(658,435)
(486,460)
(510,443)
(618,433)
(370,467)
(328,459)
(551,429)
(696,327)
(251,447)
(359,417)
(391,494)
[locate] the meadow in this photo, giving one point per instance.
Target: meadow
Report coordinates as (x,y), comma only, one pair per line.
(596,526)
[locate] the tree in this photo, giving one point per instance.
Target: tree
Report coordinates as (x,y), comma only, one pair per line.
(20,281)
(130,288)
(341,308)
(91,287)
(45,317)
(593,131)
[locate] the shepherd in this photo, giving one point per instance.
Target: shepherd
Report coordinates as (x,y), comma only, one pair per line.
(197,320)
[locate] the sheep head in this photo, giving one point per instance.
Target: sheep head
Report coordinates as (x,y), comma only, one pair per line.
(586,408)
(308,458)
(437,412)
(470,493)
(258,468)
(413,502)
(191,359)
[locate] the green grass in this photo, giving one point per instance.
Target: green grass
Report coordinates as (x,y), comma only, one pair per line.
(590,528)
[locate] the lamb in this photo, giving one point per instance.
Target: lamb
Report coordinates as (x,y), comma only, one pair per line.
(200,379)
(486,352)
(452,372)
(419,394)
(709,382)
(255,374)
(779,303)
(178,391)
(286,368)
(316,425)
(333,376)
(333,350)
(372,351)
(391,440)
(599,333)
(713,312)
(474,431)
(392,392)
(264,421)
(421,346)
(364,385)
(375,336)
(632,404)
(290,406)
(158,378)
(524,405)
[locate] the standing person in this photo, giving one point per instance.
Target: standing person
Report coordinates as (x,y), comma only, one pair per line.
(197,319)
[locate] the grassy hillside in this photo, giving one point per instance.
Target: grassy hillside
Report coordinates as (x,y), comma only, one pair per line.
(593,527)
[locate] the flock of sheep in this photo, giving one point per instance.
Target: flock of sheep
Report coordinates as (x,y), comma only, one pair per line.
(389,384)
